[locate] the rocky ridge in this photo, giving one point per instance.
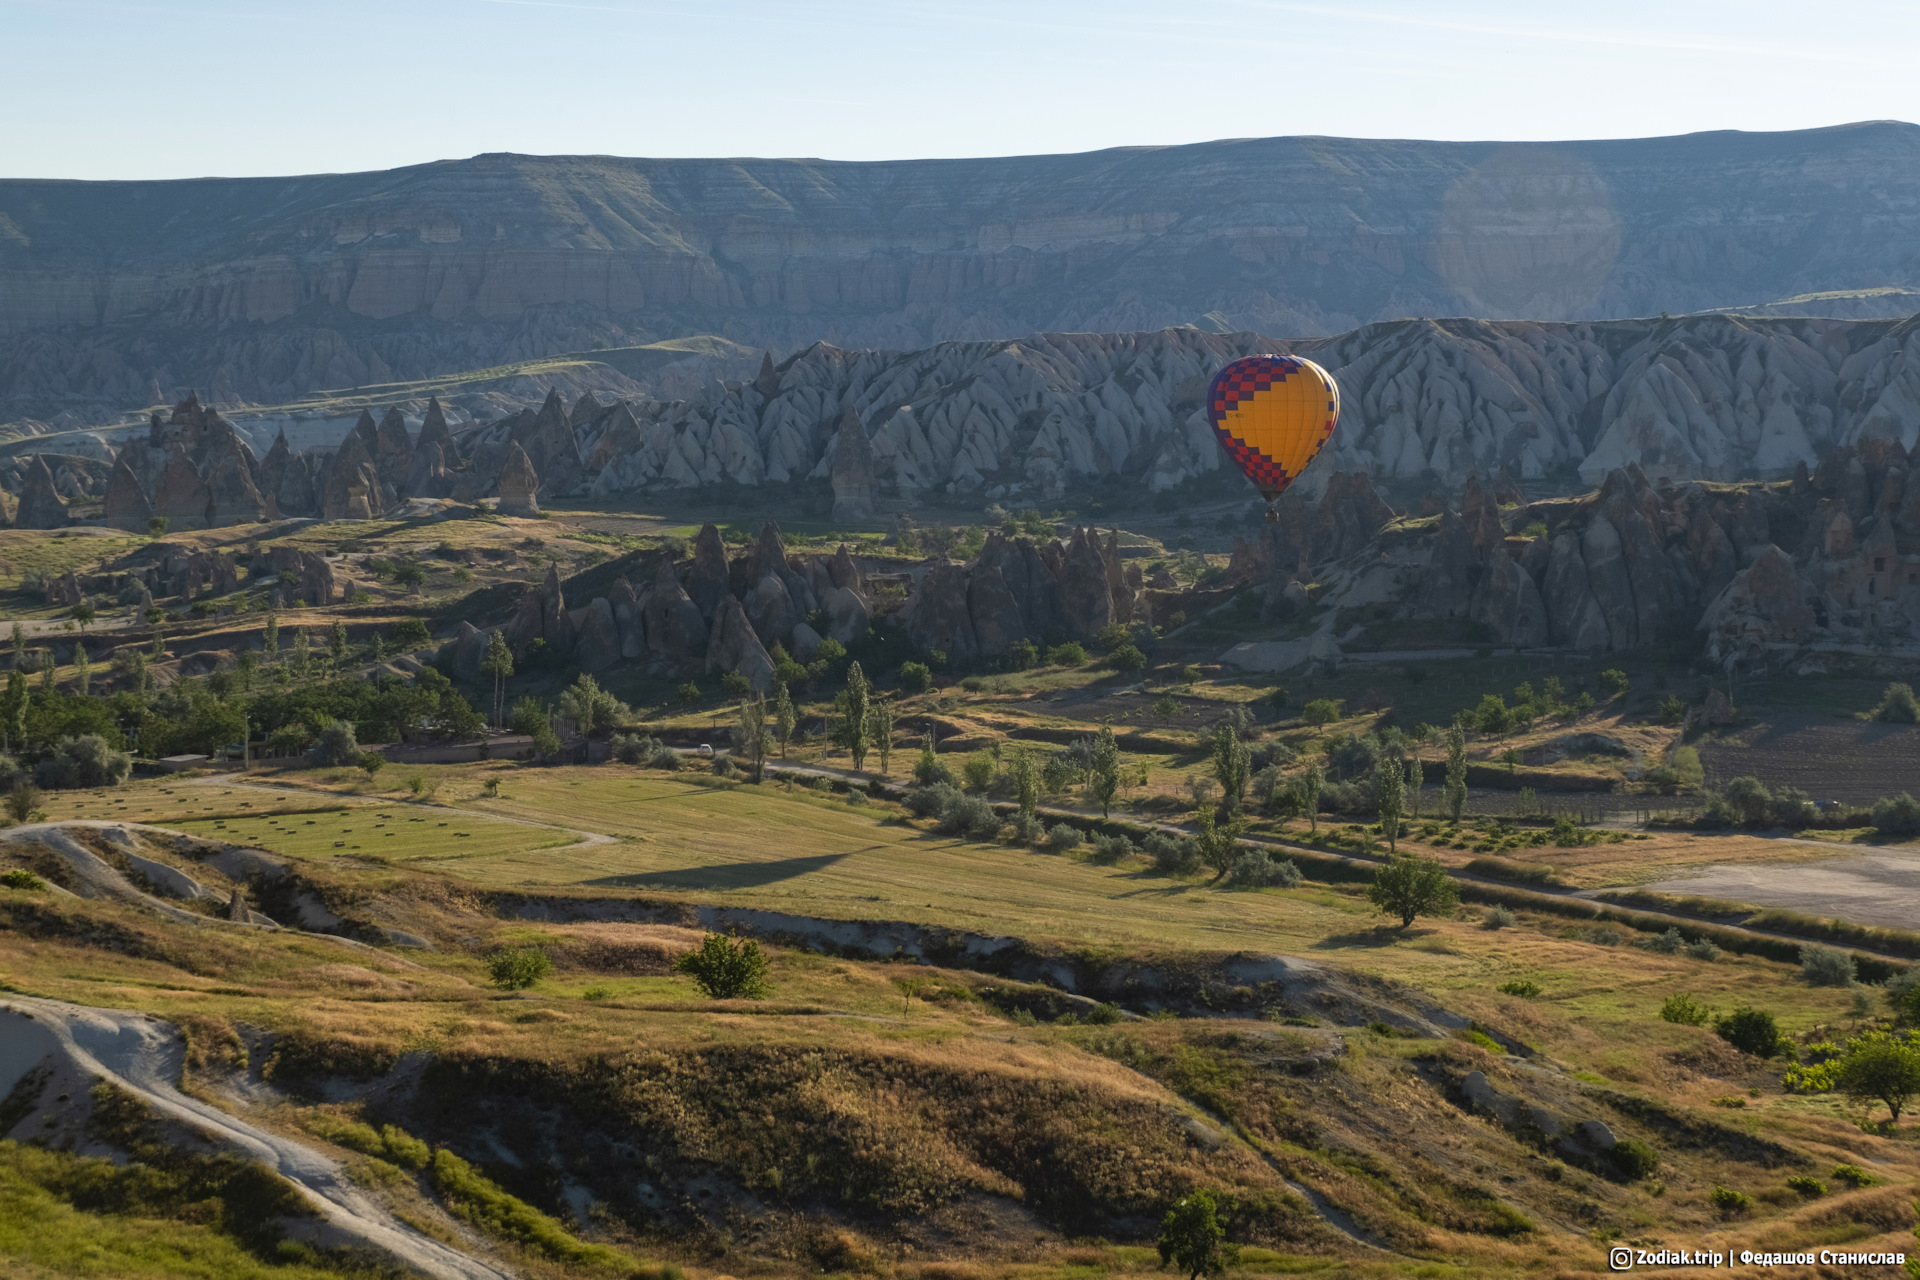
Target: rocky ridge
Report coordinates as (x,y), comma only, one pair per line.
(275,287)
(1557,406)
(1764,575)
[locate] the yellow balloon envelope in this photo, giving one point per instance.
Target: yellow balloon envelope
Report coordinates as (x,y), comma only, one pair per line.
(1272,414)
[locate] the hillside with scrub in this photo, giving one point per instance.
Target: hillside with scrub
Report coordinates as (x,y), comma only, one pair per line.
(671,893)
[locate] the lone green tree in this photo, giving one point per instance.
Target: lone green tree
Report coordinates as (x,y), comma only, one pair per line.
(1412,886)
(590,707)
(83,613)
(851,715)
(784,717)
(337,643)
(880,730)
(1415,780)
(1310,786)
(1393,792)
(498,665)
(1232,763)
(1217,842)
(16,709)
(1456,787)
(1882,1067)
(750,735)
(1026,783)
(270,638)
(1192,1238)
(1103,777)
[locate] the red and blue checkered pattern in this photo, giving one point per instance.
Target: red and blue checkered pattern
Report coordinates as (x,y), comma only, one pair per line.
(1242,381)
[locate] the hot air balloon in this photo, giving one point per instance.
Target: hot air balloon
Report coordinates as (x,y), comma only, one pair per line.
(1273,414)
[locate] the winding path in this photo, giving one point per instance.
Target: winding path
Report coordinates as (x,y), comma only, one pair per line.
(143,1055)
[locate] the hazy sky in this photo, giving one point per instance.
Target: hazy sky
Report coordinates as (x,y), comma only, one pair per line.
(175,88)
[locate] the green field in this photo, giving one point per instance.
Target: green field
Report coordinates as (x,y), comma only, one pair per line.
(399,832)
(801,852)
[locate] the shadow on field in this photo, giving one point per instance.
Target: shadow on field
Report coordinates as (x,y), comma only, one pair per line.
(726,875)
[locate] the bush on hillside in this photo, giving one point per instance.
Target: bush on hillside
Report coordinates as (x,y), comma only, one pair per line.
(517,968)
(1897,815)
(1826,966)
(726,968)
(1750,1031)
(1257,869)
(1172,855)
(1898,705)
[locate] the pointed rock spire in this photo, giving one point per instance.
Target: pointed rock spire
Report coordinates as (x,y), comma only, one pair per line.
(127,505)
(519,484)
(40,504)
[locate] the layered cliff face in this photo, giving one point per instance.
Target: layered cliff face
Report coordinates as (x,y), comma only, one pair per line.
(1706,397)
(1555,405)
(358,278)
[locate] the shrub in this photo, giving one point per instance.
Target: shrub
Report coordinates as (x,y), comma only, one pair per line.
(980,771)
(1671,709)
(663,757)
(1685,1010)
(1614,682)
(1667,944)
(1022,655)
(970,816)
(1729,1202)
(1903,995)
(1070,654)
(688,692)
(1853,1175)
(1063,836)
(1897,815)
(84,761)
(1498,918)
(1028,829)
(1172,855)
(931,801)
(1750,1031)
(726,968)
(1808,1186)
(1702,949)
(735,685)
(1127,657)
(408,634)
(724,767)
(856,796)
(19,878)
(915,677)
(517,968)
(1108,850)
(1104,1015)
(337,745)
(372,762)
(1634,1159)
(633,748)
(1826,966)
(23,802)
(1257,869)
(1898,705)
(1522,987)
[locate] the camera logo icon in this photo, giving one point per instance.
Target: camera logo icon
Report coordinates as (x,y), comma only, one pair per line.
(1620,1258)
